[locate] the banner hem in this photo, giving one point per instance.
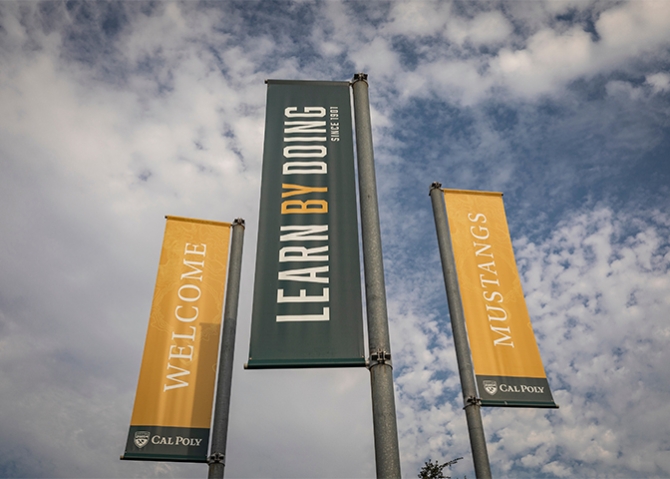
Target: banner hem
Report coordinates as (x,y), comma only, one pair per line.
(162,458)
(546,405)
(472,192)
(198,221)
(309,82)
(304,363)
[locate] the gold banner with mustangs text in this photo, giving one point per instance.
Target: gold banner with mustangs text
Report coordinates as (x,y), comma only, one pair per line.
(173,403)
(505,355)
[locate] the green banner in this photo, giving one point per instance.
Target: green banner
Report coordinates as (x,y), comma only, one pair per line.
(307,293)
(510,391)
(162,443)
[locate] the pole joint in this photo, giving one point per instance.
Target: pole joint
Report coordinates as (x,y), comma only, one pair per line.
(380,356)
(239,222)
(435,186)
(472,401)
(216,458)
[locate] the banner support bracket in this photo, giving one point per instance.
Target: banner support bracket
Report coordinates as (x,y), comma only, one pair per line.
(379,357)
(472,401)
(217,458)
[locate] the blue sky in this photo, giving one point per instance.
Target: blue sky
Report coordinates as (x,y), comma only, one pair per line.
(113,115)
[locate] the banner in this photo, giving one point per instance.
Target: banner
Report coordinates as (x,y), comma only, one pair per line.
(507,362)
(173,402)
(307,293)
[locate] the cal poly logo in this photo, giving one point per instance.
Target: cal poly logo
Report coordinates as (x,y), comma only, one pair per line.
(490,387)
(142,438)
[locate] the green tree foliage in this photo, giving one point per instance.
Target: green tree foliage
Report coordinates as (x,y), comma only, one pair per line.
(434,470)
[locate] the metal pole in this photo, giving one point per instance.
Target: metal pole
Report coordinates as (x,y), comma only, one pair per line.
(387,453)
(472,403)
(216,459)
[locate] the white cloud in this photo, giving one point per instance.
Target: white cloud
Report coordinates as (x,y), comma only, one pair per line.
(585,288)
(549,61)
(615,88)
(487,28)
(553,55)
(377,56)
(456,81)
(415,19)
(660,82)
(633,28)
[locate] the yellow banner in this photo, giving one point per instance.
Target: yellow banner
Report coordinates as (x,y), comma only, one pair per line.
(177,377)
(499,331)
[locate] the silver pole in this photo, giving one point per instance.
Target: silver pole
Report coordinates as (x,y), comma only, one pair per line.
(216,459)
(387,453)
(472,403)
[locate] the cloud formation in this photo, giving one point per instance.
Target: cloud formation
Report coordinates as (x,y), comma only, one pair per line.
(114,114)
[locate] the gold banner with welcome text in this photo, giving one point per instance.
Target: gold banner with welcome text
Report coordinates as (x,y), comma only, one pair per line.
(506,358)
(173,402)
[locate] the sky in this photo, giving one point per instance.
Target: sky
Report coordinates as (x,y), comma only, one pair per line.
(115,114)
